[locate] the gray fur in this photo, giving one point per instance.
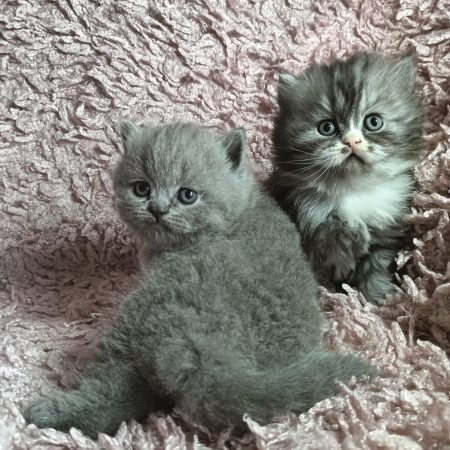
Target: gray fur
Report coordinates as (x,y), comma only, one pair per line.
(226,321)
(349,212)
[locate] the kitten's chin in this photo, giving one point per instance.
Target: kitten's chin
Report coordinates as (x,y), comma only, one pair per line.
(158,239)
(355,164)
(173,230)
(164,231)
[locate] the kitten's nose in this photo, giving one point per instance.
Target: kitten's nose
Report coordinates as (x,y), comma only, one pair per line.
(353,141)
(157,211)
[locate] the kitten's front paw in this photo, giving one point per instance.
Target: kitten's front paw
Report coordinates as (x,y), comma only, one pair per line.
(377,287)
(44,413)
(360,240)
(342,270)
(352,239)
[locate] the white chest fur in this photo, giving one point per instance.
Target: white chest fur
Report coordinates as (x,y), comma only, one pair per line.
(377,203)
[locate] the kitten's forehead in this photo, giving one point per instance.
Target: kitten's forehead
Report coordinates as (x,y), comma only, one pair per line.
(179,152)
(347,90)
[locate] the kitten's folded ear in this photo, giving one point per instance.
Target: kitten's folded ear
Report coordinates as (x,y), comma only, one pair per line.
(234,144)
(128,131)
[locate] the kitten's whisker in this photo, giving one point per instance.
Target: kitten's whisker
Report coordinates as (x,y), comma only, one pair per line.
(305,170)
(302,146)
(317,164)
(321,174)
(298,150)
(316,159)
(306,163)
(293,161)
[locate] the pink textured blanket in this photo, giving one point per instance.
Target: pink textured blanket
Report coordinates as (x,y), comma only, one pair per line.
(69,69)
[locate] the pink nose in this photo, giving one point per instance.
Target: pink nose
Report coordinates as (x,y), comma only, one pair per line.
(352,143)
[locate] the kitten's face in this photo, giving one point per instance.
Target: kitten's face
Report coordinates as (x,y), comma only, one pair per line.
(178,181)
(348,118)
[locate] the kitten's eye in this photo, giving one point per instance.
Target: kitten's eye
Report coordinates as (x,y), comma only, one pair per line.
(187,196)
(141,188)
(373,122)
(327,127)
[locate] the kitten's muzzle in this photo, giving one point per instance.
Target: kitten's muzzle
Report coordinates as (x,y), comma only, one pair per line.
(352,143)
(157,212)
(355,142)
(354,157)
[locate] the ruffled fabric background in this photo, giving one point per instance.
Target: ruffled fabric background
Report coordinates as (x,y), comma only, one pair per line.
(69,69)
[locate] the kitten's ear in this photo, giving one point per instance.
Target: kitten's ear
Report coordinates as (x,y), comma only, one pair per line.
(286,79)
(234,143)
(128,130)
(407,62)
(286,85)
(405,68)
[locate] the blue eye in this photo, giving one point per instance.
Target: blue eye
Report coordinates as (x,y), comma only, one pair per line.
(141,189)
(187,196)
(373,122)
(327,127)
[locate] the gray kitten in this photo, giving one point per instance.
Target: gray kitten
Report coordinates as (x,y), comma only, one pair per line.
(345,142)
(227,320)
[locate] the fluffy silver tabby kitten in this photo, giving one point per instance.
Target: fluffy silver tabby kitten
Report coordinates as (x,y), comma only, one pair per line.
(345,141)
(226,321)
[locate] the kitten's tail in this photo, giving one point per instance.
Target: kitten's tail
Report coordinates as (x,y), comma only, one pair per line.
(217,387)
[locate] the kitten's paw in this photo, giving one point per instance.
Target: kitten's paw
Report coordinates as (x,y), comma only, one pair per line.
(63,411)
(342,270)
(350,239)
(44,413)
(395,296)
(360,240)
(377,291)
